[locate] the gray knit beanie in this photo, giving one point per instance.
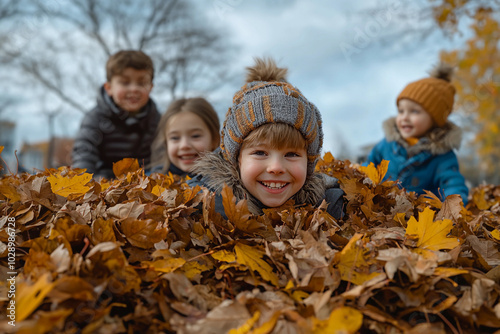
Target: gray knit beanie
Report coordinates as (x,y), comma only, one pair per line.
(268,98)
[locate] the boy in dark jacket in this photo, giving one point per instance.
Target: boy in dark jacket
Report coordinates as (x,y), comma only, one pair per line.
(419,141)
(270,143)
(123,123)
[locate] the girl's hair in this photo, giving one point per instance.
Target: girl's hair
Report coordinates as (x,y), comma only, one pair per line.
(198,106)
(276,136)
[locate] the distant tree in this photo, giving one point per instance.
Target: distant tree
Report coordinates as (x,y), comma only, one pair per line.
(60,47)
(477,78)
(477,63)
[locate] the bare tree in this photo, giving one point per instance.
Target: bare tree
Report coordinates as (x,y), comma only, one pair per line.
(60,46)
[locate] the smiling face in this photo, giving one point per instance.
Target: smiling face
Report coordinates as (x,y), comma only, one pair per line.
(412,120)
(130,89)
(272,175)
(187,136)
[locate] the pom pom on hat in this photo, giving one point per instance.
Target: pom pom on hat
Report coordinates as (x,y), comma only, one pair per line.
(268,98)
(435,94)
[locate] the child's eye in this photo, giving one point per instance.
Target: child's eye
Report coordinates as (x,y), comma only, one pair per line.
(174,138)
(260,153)
(196,136)
(292,154)
(400,111)
(415,111)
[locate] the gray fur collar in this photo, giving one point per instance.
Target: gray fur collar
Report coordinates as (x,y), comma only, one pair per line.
(437,141)
(217,171)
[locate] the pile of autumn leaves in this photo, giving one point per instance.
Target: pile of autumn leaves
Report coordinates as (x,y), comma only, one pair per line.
(149,254)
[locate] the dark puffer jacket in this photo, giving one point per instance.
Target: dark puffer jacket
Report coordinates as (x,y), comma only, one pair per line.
(213,171)
(429,165)
(108,134)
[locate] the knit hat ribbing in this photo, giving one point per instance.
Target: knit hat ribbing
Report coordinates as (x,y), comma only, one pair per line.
(435,94)
(268,98)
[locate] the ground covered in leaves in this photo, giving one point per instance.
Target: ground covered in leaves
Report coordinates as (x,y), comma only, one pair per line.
(149,254)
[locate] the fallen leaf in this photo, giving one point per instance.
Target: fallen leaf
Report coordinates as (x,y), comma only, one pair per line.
(342,320)
(252,258)
(432,234)
(353,264)
(30,296)
(69,185)
(125,166)
(376,174)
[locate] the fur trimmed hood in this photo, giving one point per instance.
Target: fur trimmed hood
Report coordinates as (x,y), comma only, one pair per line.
(214,171)
(438,141)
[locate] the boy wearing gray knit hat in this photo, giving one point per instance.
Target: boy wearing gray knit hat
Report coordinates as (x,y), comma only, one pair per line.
(270,143)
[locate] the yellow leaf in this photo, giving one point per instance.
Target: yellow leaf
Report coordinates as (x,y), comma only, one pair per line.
(269,325)
(352,264)
(342,320)
(8,189)
(1,149)
(29,297)
(224,255)
(448,272)
(432,235)
(376,174)
(66,185)
(125,166)
(247,326)
(105,185)
(299,296)
(157,190)
(166,265)
(252,258)
(193,268)
(479,198)
(496,234)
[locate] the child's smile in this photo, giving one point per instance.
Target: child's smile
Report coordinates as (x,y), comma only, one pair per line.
(272,176)
(187,135)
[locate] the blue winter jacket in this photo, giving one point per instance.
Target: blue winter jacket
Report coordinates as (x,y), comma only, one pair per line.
(429,165)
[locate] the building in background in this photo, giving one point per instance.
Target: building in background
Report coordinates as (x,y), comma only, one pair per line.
(35,156)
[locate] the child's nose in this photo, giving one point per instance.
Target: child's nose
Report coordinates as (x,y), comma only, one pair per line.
(185,143)
(276,166)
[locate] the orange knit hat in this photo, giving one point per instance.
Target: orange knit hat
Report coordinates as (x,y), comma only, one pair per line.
(434,94)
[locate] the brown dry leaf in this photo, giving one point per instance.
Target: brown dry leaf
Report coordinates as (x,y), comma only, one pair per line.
(125,166)
(71,287)
(102,231)
(143,233)
(126,210)
(235,213)
(486,250)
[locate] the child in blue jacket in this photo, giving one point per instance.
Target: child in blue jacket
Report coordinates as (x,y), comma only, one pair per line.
(419,141)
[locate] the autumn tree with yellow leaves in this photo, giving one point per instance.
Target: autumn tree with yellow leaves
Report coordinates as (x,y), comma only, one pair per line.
(477,76)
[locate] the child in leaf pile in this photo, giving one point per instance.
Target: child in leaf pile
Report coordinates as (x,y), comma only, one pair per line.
(123,122)
(270,143)
(419,141)
(189,127)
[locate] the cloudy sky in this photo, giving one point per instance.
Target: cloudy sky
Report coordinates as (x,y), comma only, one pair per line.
(346,58)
